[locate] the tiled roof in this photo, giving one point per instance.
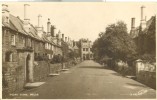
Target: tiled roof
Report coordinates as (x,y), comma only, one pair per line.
(11,26)
(149,22)
(17,23)
(76,47)
(33,31)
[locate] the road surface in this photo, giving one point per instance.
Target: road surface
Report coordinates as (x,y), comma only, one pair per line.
(89,80)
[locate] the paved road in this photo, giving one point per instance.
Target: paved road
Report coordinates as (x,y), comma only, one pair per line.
(89,80)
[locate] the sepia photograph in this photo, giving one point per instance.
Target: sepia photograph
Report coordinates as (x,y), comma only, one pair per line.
(78,50)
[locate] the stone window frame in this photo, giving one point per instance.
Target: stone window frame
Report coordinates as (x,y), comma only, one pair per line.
(86,49)
(9,57)
(13,39)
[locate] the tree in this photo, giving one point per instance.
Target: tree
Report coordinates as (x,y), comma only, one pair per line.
(115,42)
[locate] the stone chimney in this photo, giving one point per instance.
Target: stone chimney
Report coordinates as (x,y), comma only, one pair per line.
(5,13)
(132,31)
(53,31)
(39,27)
(59,34)
(26,11)
(48,27)
(143,21)
(39,20)
(63,37)
(132,23)
(26,19)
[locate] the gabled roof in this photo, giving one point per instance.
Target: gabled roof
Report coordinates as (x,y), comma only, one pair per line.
(17,23)
(149,22)
(75,47)
(8,25)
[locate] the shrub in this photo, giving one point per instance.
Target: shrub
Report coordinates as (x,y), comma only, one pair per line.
(56,59)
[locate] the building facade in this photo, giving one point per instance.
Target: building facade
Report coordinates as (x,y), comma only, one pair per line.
(86,49)
(22,45)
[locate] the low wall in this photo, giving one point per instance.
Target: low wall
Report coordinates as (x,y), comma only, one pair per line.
(146,73)
(148,78)
(41,70)
(12,78)
(13,75)
(55,68)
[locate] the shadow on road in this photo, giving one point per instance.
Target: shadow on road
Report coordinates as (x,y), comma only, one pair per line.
(138,85)
(116,74)
(94,67)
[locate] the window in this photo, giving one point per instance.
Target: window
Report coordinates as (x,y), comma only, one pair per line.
(8,57)
(83,49)
(29,42)
(45,45)
(86,49)
(91,55)
(52,47)
(12,39)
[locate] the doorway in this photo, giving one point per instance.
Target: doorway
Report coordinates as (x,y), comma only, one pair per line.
(28,68)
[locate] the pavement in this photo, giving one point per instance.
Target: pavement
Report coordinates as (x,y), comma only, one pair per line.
(89,80)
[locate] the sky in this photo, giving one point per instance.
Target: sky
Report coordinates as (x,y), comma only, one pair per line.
(83,19)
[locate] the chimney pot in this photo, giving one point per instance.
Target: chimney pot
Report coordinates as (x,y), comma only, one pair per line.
(39,20)
(25,11)
(63,37)
(133,23)
(48,26)
(142,12)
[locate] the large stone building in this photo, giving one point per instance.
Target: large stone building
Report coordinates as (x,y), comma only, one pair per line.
(86,49)
(22,45)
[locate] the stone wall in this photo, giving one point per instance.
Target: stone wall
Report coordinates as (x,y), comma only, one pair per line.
(55,68)
(148,78)
(41,70)
(14,74)
(146,73)
(13,77)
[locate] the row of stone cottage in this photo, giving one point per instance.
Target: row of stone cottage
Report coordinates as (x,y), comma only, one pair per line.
(23,44)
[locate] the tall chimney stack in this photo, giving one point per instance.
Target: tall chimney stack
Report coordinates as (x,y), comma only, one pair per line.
(48,27)
(132,23)
(39,21)
(25,12)
(53,31)
(40,27)
(26,19)
(143,21)
(63,37)
(142,13)
(59,34)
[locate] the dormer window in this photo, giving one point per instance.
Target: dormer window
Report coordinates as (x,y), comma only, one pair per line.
(13,39)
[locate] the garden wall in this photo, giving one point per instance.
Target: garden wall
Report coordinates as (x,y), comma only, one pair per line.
(41,70)
(146,73)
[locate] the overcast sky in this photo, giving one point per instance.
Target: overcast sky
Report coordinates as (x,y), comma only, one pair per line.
(83,20)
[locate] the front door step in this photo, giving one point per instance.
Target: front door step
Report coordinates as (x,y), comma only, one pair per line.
(33,85)
(65,69)
(131,77)
(54,74)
